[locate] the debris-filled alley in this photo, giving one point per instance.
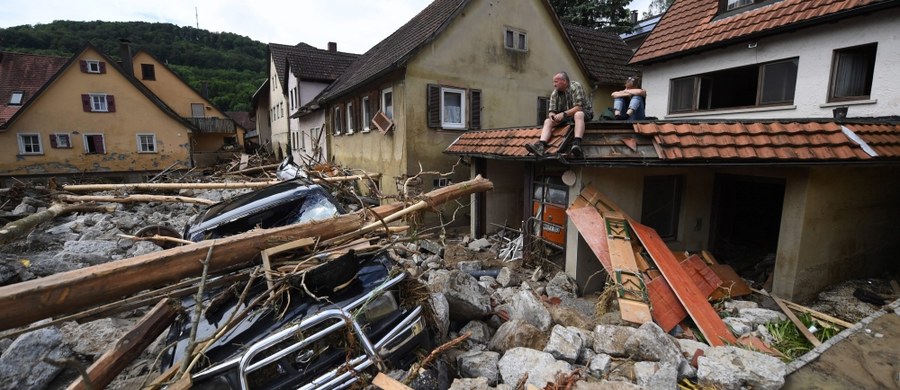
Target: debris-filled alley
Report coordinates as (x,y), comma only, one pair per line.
(249,281)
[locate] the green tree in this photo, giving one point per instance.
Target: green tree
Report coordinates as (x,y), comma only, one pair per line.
(656,7)
(610,15)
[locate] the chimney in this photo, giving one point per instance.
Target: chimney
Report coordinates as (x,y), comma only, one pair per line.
(125,53)
(332,46)
(634,15)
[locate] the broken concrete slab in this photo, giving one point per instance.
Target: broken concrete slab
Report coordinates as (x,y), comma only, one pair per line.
(656,375)
(599,364)
(516,333)
(562,286)
(479,244)
(469,384)
(611,339)
(508,278)
(91,252)
(468,300)
(475,364)
(760,316)
(24,365)
(607,385)
(564,344)
(540,367)
(481,332)
(732,368)
(527,307)
(441,309)
(93,338)
(650,343)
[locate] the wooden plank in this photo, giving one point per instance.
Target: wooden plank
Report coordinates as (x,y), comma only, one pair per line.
(632,306)
(732,283)
(703,314)
(665,308)
(105,369)
(800,326)
(590,224)
(267,263)
(708,258)
(704,278)
(814,313)
(387,383)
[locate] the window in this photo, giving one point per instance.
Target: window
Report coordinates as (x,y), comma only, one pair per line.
(146,143)
(350,118)
(441,182)
(747,86)
(30,144)
(387,102)
(98,103)
(148,72)
(515,40)
(453,108)
(661,204)
(60,141)
(197,110)
(851,73)
(16,98)
(366,114)
(93,66)
(94,144)
(738,6)
(336,121)
(543,107)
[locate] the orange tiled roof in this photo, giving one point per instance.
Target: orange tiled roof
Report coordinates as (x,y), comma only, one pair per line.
(505,142)
(783,141)
(690,25)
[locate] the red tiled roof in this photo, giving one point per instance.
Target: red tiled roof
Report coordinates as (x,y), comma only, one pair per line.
(26,73)
(604,54)
(242,118)
(690,25)
(792,141)
(505,142)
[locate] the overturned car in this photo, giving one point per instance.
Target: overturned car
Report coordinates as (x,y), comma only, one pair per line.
(350,315)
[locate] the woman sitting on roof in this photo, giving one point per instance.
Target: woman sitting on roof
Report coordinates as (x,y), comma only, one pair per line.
(635,97)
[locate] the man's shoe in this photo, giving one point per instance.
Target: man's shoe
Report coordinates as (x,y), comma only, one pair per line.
(536,149)
(622,117)
(576,151)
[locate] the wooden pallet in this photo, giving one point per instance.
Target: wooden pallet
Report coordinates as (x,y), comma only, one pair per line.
(630,289)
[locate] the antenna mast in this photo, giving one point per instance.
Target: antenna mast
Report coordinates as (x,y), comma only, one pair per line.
(196,17)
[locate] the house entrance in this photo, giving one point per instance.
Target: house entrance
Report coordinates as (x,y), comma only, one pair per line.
(746,217)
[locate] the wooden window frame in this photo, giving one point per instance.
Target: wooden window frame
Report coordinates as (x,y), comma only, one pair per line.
(384,105)
(20,137)
(832,79)
(87,143)
(148,75)
(140,144)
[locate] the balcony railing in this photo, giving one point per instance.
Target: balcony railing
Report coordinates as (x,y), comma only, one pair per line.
(213,125)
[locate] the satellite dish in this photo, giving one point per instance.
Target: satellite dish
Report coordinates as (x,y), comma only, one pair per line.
(569,178)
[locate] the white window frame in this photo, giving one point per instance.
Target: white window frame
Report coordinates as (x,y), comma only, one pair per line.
(16,98)
(84,139)
(365,115)
(40,145)
(384,106)
(99,103)
(462,108)
(349,120)
(140,145)
(68,144)
(92,66)
(336,122)
(519,37)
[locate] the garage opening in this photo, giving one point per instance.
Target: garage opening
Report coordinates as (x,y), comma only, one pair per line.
(746,217)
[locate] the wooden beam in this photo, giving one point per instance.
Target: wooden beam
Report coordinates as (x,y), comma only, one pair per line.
(800,326)
(201,186)
(76,290)
(135,199)
(128,347)
(387,383)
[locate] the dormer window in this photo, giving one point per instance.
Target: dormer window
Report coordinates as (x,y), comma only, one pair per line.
(16,98)
(737,6)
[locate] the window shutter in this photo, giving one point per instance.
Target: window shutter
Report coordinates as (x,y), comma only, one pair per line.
(86,102)
(53,142)
(83,65)
(434,106)
(102,67)
(110,103)
(98,143)
(375,101)
(543,104)
(357,114)
(475,109)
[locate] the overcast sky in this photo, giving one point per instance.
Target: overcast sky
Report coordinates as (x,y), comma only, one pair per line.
(356,25)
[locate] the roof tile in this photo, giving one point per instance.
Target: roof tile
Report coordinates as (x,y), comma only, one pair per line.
(25,73)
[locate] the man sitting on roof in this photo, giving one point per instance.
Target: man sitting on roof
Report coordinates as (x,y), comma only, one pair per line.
(568,104)
(635,96)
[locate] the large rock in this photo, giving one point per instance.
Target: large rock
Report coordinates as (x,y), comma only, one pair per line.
(441,310)
(23,366)
(599,365)
(562,286)
(734,306)
(517,333)
(89,251)
(734,368)
(656,375)
(690,347)
(474,364)
(650,343)
(479,244)
(94,338)
(469,384)
(468,300)
(564,344)
(508,277)
(540,367)
(610,339)
(570,316)
(527,307)
(760,316)
(606,385)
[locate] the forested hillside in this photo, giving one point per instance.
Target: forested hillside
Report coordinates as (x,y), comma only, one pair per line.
(231,65)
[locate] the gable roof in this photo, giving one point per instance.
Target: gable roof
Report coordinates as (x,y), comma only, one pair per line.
(242,118)
(25,73)
(397,47)
(111,65)
(177,76)
(690,26)
(604,54)
(310,63)
(700,142)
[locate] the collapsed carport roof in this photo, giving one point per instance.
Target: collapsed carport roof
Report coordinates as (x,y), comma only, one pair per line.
(764,142)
